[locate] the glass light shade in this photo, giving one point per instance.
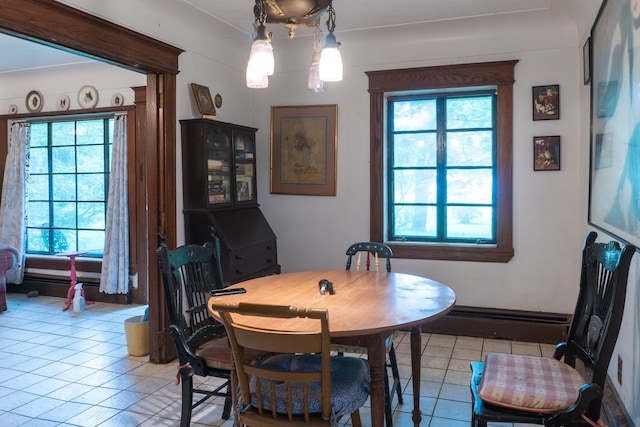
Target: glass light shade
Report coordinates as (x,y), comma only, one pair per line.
(256,80)
(331,60)
(261,57)
(314,82)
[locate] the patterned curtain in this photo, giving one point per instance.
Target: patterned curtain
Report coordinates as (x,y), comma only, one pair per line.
(13,206)
(114,278)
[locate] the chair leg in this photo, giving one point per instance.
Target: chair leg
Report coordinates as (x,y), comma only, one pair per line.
(355,418)
(226,411)
(396,374)
(187,398)
(388,413)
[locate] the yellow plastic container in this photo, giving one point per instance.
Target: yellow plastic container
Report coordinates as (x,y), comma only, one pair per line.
(137,334)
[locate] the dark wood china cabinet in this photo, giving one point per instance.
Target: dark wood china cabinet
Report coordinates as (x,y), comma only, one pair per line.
(219,187)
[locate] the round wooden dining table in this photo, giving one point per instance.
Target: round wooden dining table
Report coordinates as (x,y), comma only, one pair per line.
(365,307)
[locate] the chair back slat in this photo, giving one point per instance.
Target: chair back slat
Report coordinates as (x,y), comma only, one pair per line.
(374,249)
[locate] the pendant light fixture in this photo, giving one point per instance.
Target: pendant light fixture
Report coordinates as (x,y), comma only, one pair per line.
(261,63)
(314,83)
(330,58)
(326,63)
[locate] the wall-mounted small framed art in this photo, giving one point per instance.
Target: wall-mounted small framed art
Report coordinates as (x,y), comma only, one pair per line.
(546,102)
(204,101)
(546,153)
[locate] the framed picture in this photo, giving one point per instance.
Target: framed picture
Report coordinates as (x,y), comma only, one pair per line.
(546,153)
(614,183)
(303,149)
(203,100)
(586,61)
(546,102)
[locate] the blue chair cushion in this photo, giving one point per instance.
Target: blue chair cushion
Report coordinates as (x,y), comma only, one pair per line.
(349,384)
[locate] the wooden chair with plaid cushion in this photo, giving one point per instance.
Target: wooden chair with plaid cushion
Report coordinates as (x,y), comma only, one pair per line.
(567,389)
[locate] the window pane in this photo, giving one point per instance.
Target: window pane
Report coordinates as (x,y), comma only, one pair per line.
(90,132)
(38,187)
(418,221)
(414,186)
(38,214)
(62,133)
(38,160)
(415,149)
(38,135)
(470,186)
(64,187)
(470,148)
(36,241)
(63,240)
(91,241)
(414,115)
(64,215)
(470,222)
(91,158)
(63,159)
(91,215)
(469,113)
(91,187)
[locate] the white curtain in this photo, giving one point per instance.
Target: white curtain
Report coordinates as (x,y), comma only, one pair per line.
(13,206)
(114,278)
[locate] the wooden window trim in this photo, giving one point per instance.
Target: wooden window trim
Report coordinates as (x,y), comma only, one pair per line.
(498,74)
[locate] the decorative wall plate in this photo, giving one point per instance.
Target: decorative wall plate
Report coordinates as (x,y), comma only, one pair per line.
(117,99)
(13,109)
(88,97)
(62,103)
(217,100)
(34,101)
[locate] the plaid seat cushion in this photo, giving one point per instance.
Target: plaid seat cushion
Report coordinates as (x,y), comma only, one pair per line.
(529,383)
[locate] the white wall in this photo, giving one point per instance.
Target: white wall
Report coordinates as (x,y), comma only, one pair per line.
(550,208)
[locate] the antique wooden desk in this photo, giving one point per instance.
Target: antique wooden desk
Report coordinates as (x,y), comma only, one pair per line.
(366,305)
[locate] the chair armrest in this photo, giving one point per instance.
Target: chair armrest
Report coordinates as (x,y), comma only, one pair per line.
(560,351)
(185,353)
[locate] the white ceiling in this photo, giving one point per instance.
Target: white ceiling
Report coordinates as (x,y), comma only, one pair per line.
(351,15)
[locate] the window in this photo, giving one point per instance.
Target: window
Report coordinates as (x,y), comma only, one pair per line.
(441,164)
(441,161)
(68,185)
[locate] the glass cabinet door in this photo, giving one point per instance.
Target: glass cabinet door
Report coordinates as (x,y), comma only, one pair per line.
(244,149)
(218,166)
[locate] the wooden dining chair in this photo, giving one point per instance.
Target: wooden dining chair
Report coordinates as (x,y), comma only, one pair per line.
(189,274)
(301,385)
(566,389)
(367,257)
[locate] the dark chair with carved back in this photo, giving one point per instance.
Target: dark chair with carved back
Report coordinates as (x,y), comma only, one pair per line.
(301,384)
(189,274)
(565,390)
(367,257)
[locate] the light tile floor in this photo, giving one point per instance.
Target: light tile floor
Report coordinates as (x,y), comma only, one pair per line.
(73,369)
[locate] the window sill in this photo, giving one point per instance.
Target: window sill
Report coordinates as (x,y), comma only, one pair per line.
(452,252)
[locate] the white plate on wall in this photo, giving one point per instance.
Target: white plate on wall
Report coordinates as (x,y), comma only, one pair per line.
(88,97)
(62,103)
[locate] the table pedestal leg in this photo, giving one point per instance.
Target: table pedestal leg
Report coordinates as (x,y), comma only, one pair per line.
(377,357)
(416,350)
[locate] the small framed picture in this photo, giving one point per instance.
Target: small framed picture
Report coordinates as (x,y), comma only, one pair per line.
(546,153)
(203,100)
(546,102)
